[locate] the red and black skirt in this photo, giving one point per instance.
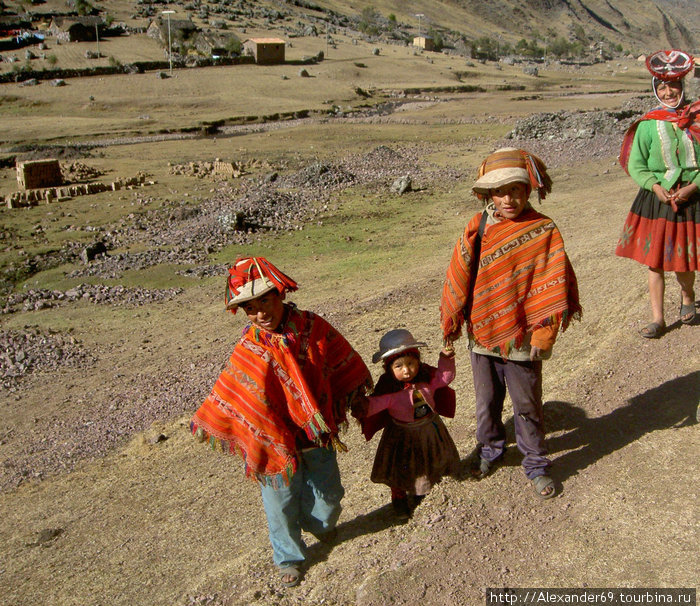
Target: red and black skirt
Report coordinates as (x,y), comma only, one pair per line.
(660,238)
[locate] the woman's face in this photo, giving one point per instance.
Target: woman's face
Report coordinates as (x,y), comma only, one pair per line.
(669,93)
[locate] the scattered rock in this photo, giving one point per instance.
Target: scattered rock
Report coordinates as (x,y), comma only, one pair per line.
(402,185)
(92,251)
(34,299)
(45,537)
(32,349)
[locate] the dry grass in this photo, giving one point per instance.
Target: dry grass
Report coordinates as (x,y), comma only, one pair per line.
(97,107)
(157,522)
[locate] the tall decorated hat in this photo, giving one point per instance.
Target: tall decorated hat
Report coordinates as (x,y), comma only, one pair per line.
(669,65)
(252,277)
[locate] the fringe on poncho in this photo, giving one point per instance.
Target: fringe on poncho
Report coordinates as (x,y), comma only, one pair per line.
(276,385)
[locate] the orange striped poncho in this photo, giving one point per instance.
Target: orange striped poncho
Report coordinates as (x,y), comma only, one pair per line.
(280,385)
(524,282)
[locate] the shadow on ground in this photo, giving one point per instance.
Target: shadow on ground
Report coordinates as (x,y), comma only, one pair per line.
(671,405)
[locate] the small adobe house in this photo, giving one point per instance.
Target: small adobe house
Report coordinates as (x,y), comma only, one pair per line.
(266,51)
(76,29)
(424,42)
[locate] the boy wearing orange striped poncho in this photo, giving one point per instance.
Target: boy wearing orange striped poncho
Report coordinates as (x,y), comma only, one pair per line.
(279,404)
(512,299)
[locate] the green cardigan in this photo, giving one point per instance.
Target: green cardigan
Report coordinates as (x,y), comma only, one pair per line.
(662,153)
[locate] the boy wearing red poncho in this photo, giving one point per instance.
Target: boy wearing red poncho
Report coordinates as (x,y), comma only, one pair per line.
(513,296)
(279,404)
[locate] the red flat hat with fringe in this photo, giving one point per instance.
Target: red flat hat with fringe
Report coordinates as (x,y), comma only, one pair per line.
(669,65)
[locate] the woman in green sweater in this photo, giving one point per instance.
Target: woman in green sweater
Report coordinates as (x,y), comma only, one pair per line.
(661,152)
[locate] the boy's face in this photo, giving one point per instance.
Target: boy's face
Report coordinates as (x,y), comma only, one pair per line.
(265,311)
(510,200)
(405,368)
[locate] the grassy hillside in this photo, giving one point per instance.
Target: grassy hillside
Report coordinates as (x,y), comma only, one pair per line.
(634,26)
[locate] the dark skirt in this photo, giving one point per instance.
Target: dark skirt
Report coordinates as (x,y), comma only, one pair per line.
(660,238)
(415,456)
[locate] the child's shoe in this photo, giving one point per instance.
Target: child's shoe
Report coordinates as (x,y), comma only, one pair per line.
(417,500)
(401,509)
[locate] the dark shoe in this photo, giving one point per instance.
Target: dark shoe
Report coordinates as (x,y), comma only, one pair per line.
(544,487)
(401,509)
(652,331)
(688,313)
(417,500)
(485,468)
(328,538)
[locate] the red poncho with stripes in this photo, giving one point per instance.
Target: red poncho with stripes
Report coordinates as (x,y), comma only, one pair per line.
(277,385)
(525,281)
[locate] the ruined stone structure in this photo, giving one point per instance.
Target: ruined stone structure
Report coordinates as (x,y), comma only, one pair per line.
(229,169)
(75,28)
(32,197)
(34,174)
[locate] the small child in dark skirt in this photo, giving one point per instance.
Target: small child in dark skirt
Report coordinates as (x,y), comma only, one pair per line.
(415,450)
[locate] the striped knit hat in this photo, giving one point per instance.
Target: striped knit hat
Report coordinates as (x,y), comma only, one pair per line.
(511,165)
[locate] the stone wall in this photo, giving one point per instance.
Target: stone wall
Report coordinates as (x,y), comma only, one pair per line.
(32,197)
(33,174)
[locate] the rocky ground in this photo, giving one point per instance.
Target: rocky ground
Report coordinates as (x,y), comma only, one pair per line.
(237,213)
(162,521)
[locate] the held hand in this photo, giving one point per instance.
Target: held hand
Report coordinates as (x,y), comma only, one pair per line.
(448,348)
(661,193)
(683,194)
(359,407)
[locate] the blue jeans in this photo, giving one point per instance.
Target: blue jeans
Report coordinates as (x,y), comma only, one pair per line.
(311,502)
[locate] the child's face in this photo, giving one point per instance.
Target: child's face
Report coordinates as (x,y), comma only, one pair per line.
(510,200)
(405,368)
(265,311)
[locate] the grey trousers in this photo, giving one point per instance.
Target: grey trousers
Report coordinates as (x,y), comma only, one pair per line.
(523,380)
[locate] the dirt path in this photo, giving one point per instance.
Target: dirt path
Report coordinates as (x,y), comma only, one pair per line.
(164,521)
